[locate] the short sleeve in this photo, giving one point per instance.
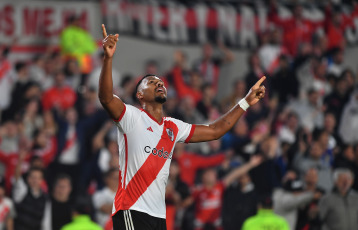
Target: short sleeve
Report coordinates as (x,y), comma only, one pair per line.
(185,132)
(128,118)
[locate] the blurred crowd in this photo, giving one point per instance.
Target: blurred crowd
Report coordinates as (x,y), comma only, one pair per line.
(59,153)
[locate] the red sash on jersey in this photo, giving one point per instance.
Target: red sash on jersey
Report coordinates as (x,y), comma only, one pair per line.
(127,196)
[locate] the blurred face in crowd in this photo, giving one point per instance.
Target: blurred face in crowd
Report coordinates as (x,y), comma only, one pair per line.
(34,179)
(60,79)
(11,129)
(342,86)
(37,162)
(208,93)
(151,68)
(179,58)
(195,80)
(174,170)
(207,51)
(209,177)
(311,177)
(339,57)
(348,153)
(329,122)
(2,192)
(71,116)
(313,97)
(244,180)
(344,182)
(323,140)
(292,121)
(72,67)
(240,89)
(62,189)
(178,149)
(349,77)
(241,128)
(32,107)
(316,151)
(215,145)
(298,12)
(112,180)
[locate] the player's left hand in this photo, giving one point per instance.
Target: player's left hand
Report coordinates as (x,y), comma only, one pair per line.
(256,93)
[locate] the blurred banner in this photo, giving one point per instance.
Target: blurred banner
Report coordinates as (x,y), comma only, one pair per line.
(238,25)
(32,25)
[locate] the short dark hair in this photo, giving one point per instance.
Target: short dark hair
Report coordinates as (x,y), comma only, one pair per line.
(140,81)
(34,169)
(82,206)
(62,176)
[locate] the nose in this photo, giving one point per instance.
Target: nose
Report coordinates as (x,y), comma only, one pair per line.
(160,84)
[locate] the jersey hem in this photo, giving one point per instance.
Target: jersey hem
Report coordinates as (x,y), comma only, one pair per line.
(141,210)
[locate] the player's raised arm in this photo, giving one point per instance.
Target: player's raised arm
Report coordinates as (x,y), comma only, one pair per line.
(219,127)
(109,101)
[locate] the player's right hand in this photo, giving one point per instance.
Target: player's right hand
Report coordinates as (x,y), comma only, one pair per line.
(109,43)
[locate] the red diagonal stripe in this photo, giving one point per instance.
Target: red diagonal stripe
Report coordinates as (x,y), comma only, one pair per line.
(150,169)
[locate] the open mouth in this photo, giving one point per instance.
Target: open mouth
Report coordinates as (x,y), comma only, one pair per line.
(160,89)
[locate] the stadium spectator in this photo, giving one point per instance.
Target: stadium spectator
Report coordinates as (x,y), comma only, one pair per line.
(208,196)
(59,205)
(349,121)
(7,209)
(59,96)
(289,199)
(338,210)
(7,78)
(103,199)
(240,202)
(265,218)
(77,43)
(29,198)
(314,160)
(190,163)
(81,217)
(176,197)
(308,215)
(296,29)
(209,66)
(284,82)
(310,111)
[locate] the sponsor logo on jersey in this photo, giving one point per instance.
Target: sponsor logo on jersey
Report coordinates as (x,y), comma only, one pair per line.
(150,129)
(158,152)
(170,134)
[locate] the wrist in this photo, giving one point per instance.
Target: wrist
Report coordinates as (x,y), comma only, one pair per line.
(243,104)
(107,58)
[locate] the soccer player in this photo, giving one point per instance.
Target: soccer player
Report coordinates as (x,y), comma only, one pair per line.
(146,141)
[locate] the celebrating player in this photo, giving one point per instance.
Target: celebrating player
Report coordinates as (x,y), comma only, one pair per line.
(146,141)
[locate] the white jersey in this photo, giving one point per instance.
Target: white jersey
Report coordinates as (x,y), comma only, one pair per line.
(145,152)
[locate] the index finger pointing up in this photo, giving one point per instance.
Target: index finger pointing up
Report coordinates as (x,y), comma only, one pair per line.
(104,32)
(259,82)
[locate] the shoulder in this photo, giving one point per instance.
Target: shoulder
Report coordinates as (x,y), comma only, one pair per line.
(249,222)
(8,201)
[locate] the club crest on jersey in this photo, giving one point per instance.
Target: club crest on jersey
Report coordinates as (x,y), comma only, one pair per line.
(170,133)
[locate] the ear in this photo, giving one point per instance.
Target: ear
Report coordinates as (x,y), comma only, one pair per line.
(139,95)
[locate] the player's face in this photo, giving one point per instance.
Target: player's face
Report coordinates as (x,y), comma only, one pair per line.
(153,89)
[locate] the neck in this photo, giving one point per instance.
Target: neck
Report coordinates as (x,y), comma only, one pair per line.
(61,199)
(156,110)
